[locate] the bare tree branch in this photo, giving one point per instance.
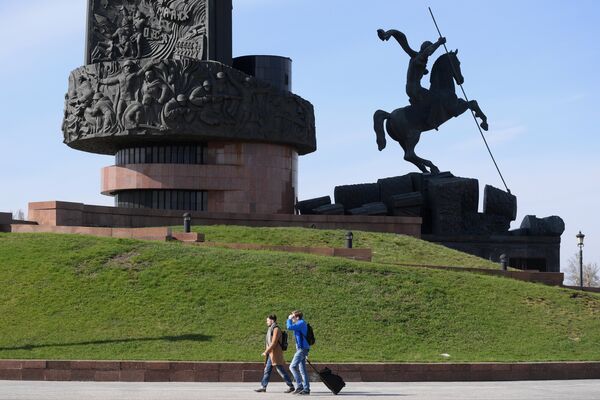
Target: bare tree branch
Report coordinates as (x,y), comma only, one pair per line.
(591,273)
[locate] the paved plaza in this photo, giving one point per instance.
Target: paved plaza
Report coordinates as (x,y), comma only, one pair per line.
(522,390)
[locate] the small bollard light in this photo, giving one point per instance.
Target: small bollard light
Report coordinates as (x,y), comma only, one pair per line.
(187,222)
(349,237)
(504,261)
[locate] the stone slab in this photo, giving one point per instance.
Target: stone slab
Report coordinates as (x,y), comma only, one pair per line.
(161,234)
(354,196)
(330,209)
(499,202)
(306,207)
(191,237)
(390,187)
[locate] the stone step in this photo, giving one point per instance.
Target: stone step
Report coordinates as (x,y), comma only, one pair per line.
(192,237)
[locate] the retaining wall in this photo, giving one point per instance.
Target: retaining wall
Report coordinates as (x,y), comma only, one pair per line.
(134,371)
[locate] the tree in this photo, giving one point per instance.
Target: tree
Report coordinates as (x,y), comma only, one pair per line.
(19,215)
(591,272)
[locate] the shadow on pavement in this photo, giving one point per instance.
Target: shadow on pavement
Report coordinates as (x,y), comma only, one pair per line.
(364,394)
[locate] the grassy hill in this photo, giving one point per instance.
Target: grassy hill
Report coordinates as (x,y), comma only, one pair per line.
(387,247)
(77,297)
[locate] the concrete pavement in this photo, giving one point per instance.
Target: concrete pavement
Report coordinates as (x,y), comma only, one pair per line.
(521,390)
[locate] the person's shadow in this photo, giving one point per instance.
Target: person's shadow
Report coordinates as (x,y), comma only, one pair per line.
(361,394)
(191,337)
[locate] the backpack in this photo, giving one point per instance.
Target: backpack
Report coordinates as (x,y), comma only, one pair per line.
(284,341)
(310,335)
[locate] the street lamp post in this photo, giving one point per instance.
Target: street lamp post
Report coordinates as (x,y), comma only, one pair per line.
(580,237)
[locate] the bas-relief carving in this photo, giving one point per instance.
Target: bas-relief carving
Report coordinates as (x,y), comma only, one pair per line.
(197,99)
(159,29)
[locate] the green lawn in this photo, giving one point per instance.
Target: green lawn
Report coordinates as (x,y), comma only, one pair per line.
(387,247)
(77,297)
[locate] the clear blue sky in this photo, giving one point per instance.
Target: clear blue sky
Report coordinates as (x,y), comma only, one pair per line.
(532,65)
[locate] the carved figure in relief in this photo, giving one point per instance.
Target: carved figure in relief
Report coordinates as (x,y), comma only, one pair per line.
(102,109)
(139,24)
(71,121)
(224,98)
(128,81)
(202,97)
(249,90)
(150,112)
(141,115)
(123,37)
(84,93)
(155,88)
(78,105)
(174,29)
(177,112)
(181,98)
(156,93)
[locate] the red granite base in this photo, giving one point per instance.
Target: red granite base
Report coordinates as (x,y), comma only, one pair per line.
(134,371)
(59,213)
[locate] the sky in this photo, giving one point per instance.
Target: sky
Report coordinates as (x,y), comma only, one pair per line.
(531,64)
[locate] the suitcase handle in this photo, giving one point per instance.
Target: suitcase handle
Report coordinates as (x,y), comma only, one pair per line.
(312,366)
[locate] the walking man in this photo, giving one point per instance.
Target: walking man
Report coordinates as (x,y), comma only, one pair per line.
(296,323)
(274,356)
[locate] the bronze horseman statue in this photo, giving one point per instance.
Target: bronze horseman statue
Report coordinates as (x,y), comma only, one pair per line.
(429,108)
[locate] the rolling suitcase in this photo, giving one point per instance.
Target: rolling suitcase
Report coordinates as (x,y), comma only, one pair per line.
(334,382)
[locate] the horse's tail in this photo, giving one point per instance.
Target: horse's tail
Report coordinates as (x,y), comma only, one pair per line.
(378,119)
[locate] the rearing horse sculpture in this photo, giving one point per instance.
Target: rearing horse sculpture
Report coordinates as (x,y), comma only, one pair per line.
(436,106)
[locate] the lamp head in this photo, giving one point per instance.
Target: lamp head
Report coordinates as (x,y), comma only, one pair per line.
(580,237)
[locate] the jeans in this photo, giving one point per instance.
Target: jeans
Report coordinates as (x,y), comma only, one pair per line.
(298,368)
(280,370)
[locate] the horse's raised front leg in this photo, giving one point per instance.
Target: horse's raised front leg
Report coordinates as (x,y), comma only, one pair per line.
(479,114)
(474,106)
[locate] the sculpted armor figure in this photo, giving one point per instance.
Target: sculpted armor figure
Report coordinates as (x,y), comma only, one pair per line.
(429,108)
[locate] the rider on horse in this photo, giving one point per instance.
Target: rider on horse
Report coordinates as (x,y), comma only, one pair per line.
(417,68)
(429,108)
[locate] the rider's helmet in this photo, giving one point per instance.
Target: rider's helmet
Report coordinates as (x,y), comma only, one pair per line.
(425,45)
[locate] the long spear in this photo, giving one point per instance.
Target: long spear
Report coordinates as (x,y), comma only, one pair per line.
(472,112)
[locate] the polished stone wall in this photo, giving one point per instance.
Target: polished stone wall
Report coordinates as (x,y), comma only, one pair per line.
(165,371)
(236,178)
(60,213)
